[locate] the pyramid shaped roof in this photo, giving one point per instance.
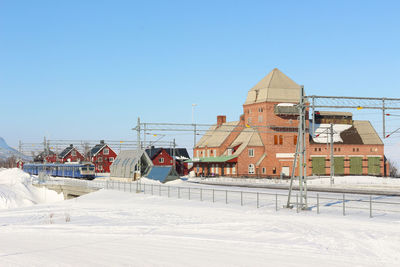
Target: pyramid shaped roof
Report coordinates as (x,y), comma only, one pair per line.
(275,87)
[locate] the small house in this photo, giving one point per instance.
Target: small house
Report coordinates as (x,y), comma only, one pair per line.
(165,157)
(102,157)
(70,154)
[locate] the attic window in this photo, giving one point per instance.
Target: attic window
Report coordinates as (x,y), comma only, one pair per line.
(257,91)
(106,151)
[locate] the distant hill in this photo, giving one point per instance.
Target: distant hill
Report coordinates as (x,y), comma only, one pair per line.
(6,151)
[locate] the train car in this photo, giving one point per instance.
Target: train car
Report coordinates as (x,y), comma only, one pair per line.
(71,170)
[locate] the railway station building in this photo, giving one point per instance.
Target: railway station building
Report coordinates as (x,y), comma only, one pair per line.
(262,143)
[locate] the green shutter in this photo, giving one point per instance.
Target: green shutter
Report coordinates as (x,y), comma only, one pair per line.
(318,166)
(356,165)
(374,166)
(339,165)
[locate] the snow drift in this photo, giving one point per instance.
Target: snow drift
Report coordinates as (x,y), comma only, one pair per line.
(16,190)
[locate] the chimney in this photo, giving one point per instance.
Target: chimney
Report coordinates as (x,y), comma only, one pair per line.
(101,142)
(71,145)
(221,119)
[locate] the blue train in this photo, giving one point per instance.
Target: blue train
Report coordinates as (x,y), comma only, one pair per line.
(73,170)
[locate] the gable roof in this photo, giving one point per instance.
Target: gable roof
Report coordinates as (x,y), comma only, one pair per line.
(179,152)
(96,149)
(248,137)
(66,151)
(275,87)
(163,173)
(367,133)
(215,136)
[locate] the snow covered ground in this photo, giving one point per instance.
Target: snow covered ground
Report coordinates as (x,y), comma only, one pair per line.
(114,228)
(16,190)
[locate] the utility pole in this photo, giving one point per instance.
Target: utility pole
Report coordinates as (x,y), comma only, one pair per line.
(139,146)
(332,161)
(301,153)
(174,154)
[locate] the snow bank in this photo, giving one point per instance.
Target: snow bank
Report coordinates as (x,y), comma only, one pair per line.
(323,132)
(16,190)
(286,105)
(151,181)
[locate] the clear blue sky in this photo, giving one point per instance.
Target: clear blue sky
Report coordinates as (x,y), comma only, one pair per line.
(88,69)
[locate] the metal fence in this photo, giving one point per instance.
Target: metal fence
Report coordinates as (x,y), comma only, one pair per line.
(333,203)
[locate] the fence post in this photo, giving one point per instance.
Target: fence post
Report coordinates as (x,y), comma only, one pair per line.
(370,206)
(344,205)
(152,189)
(258,200)
(160,190)
(213,195)
(137,186)
(144,188)
(226,196)
(106,184)
(189,193)
(179,192)
(124,186)
(276,201)
(241,198)
(130,187)
(119,186)
(168,191)
(297,203)
(317,203)
(201,194)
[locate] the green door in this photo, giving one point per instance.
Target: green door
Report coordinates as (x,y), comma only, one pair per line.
(339,165)
(356,165)
(318,166)
(374,166)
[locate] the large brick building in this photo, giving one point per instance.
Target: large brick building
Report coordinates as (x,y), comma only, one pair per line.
(263,141)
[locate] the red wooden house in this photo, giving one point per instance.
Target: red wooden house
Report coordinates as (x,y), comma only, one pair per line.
(46,156)
(70,154)
(102,157)
(164,157)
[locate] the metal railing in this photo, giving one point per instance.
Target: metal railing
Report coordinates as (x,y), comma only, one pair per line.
(332,203)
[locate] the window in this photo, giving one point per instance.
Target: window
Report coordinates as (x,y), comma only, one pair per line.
(111,159)
(295,140)
(251,152)
(338,149)
(251,168)
(260,109)
(204,153)
(161,160)
(260,118)
(208,152)
(216,169)
(356,149)
(280,139)
(228,169)
(319,149)
(197,152)
(264,170)
(100,159)
(275,139)
(230,151)
(249,120)
(215,152)
(106,151)
(73,153)
(100,168)
(233,169)
(212,168)
(274,170)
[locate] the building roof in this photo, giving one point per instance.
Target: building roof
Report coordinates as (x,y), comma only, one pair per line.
(162,174)
(334,113)
(247,138)
(124,164)
(361,132)
(66,151)
(275,87)
(215,136)
(179,152)
(213,159)
(367,133)
(96,149)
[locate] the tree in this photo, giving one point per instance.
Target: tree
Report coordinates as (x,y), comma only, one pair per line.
(393,170)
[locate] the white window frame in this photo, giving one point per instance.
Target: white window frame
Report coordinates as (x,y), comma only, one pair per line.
(161,160)
(215,153)
(106,151)
(73,153)
(100,168)
(251,169)
(208,152)
(216,169)
(228,169)
(197,152)
(110,159)
(251,152)
(99,159)
(260,118)
(264,170)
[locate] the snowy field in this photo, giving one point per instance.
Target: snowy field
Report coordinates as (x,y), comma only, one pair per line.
(115,228)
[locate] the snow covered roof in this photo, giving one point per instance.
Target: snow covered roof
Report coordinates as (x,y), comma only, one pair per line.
(333,113)
(275,87)
(66,151)
(215,136)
